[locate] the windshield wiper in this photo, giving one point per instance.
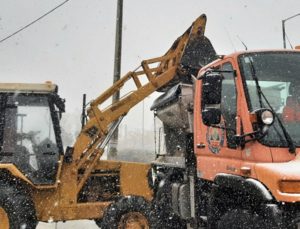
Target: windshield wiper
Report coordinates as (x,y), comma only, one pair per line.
(258,88)
(291,145)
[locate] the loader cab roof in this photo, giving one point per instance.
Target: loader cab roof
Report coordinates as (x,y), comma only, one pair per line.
(44,88)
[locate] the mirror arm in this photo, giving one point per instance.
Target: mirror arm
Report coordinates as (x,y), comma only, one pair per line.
(241,139)
(255,135)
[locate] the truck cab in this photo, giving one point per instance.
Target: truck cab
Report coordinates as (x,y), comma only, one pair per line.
(259,80)
(238,142)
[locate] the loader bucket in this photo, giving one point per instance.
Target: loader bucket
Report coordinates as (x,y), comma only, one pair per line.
(197,51)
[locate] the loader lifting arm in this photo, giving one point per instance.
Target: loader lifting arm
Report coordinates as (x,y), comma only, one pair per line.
(172,66)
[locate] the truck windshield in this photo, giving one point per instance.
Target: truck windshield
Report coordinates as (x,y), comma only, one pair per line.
(279,78)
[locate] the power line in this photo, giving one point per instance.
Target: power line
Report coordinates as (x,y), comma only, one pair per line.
(33,22)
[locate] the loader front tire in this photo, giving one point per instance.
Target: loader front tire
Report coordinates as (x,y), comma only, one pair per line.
(128,212)
(16,210)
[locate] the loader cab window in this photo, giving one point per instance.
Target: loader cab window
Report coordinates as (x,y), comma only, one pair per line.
(28,138)
(229,104)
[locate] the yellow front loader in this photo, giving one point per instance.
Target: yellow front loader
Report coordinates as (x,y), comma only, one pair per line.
(39,181)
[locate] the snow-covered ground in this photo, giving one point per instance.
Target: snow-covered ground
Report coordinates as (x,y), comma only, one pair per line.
(78,224)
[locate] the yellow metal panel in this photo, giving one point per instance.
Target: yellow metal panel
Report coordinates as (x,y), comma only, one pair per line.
(26,87)
(61,203)
(108,165)
(50,202)
(134,181)
(71,212)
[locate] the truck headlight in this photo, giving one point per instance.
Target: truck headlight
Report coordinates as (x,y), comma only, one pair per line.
(289,186)
(267,117)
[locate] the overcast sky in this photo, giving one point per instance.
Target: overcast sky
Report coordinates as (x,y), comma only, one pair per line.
(74,46)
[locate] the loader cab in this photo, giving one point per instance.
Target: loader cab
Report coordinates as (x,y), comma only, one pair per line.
(29,130)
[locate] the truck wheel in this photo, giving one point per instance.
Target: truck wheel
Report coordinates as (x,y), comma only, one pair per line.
(16,210)
(240,219)
(128,212)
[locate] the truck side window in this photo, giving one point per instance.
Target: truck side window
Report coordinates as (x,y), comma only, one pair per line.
(229,104)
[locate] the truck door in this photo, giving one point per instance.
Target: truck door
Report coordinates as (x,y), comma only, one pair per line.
(216,149)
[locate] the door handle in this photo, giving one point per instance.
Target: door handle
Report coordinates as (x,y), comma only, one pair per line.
(200,146)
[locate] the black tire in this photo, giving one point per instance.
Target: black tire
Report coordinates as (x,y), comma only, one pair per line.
(218,205)
(18,208)
(243,219)
(126,210)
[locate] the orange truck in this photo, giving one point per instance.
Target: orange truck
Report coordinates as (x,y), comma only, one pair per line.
(227,155)
(232,138)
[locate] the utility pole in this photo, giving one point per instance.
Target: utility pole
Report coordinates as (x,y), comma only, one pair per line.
(283,34)
(283,28)
(112,154)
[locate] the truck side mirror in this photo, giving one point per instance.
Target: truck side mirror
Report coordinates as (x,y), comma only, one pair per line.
(211,98)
